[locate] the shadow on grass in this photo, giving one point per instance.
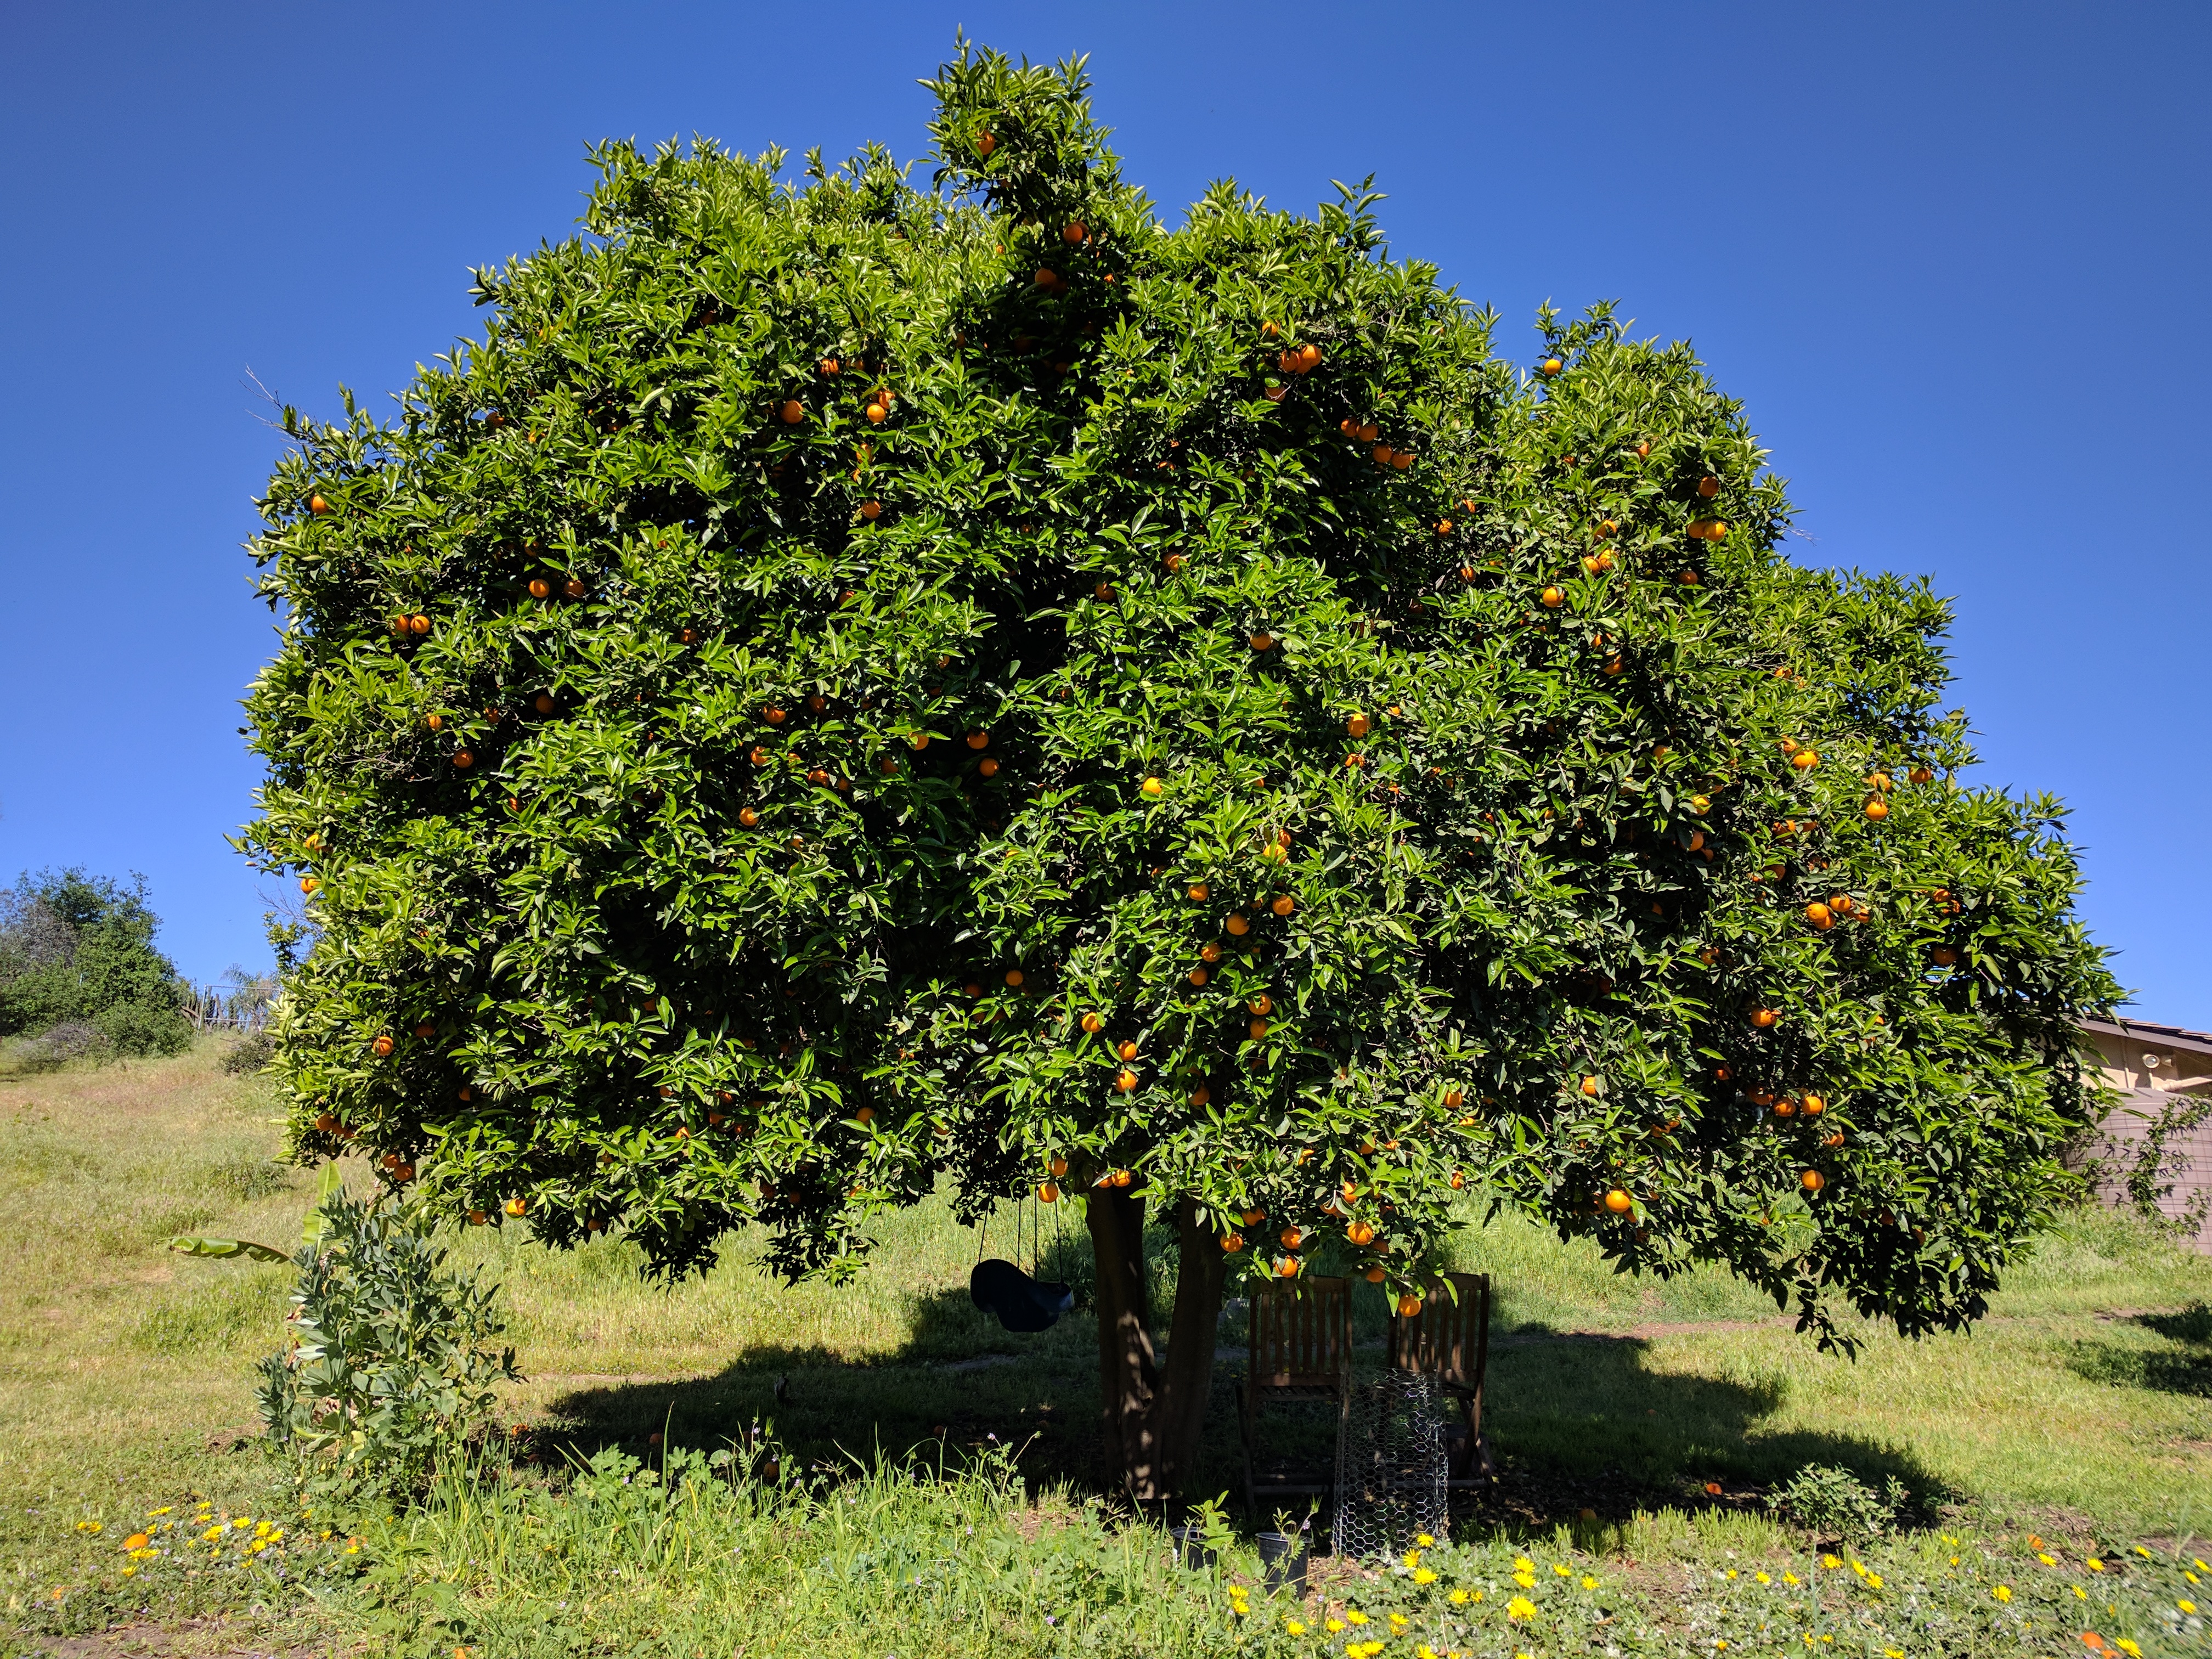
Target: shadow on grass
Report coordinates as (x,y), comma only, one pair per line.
(2184,1366)
(1579,1422)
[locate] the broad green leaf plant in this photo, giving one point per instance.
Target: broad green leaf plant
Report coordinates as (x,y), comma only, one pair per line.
(849,686)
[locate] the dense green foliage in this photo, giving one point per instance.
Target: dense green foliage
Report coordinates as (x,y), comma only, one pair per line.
(829,639)
(79,950)
(385,1373)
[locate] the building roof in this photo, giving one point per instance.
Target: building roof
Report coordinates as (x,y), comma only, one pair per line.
(2174,1036)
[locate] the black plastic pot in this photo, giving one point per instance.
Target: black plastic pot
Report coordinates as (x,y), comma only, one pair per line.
(1191,1547)
(1283,1559)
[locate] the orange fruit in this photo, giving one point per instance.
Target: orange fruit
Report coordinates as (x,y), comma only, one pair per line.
(1198,891)
(464,759)
(1368,434)
(1804,760)
(1292,1238)
(1709,487)
(793,412)
(1152,788)
(875,413)
(1820,916)
(1619,1202)
(516,1205)
(985,144)
(828,366)
(1812,1181)
(1122,1177)
(382,1047)
(1232,1242)
(1268,330)
(1048,1193)
(989,769)
(1284,906)
(1013,979)
(1125,1081)
(476,1217)
(1198,977)
(1409,1306)
(919,740)
(1590,1086)
(1288,1267)
(1237,924)
(1785,1106)
(1643,451)
(1126,1049)
(1920,775)
(540,588)
(1552,365)
(1814,1105)
(1259,1029)
(1210,952)
(1200,1095)
(1452,1097)
(1553,597)
(1764,1019)
(1263,640)
(1607,527)
(872,510)
(1075,233)
(1943,956)
(308,884)
(1356,725)
(1459,1178)
(1174,561)
(979,739)
(1877,809)
(318,505)
(1262,1004)
(1058,1166)
(1359,1232)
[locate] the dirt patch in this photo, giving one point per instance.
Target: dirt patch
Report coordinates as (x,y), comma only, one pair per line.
(197,1638)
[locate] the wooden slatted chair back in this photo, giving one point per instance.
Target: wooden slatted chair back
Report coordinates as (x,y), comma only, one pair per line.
(1301,1334)
(1449,1338)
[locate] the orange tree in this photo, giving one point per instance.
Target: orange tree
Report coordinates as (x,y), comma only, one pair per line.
(848,687)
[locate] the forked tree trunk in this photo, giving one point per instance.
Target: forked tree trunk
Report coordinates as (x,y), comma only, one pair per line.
(1154,1415)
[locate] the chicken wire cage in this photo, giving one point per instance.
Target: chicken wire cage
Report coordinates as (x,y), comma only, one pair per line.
(1392,1470)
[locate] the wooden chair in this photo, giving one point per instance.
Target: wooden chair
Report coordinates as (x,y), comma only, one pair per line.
(1449,1341)
(1301,1350)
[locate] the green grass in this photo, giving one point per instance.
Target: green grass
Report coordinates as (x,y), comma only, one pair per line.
(2080,1410)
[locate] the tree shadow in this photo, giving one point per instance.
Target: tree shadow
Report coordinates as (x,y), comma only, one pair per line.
(2182,1366)
(1582,1426)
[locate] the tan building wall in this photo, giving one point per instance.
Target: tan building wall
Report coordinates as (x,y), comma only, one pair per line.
(2157,1069)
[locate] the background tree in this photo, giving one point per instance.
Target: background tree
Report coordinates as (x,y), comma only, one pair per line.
(849,686)
(78,950)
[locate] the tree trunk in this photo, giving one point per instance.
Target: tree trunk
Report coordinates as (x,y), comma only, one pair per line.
(1154,1416)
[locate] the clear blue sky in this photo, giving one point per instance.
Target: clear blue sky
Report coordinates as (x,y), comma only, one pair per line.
(1952,258)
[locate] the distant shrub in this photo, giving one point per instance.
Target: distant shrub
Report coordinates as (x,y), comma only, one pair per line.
(58,1045)
(138,1028)
(250,1052)
(1833,1502)
(387,1376)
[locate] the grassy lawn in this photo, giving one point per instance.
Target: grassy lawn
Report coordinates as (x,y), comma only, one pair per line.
(2080,1412)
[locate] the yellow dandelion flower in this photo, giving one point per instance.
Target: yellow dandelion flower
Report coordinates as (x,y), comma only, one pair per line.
(1294,1627)
(1458,1598)
(2128,1648)
(2003,1592)
(1526,1580)
(1874,1581)
(1788,1578)
(1559,1569)
(2047,1560)
(2143,1553)
(127,1571)
(1353,1616)
(242,1522)
(1762,1578)
(89,1526)
(2093,1565)
(1333,1625)
(1423,1575)
(1425,1540)
(154,1515)
(2079,1595)
(1413,1559)
(1588,1583)
(1519,1608)
(210,1535)
(1523,1564)
(1397,1621)
(1831,1561)
(2186,1606)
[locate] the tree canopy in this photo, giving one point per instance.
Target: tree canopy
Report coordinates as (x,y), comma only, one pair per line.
(850,685)
(78,948)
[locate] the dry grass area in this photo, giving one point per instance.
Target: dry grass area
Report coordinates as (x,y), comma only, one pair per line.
(2083,1405)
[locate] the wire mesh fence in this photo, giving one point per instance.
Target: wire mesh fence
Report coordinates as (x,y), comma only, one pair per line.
(1391,1469)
